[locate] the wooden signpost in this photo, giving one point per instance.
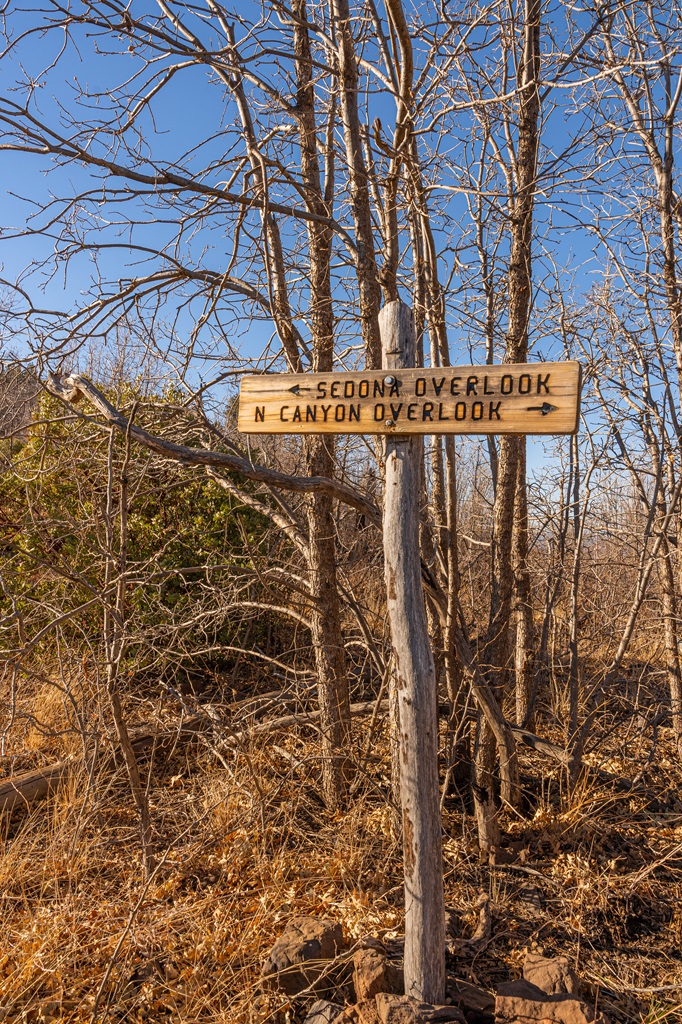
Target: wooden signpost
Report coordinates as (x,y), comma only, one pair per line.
(403,402)
(526,398)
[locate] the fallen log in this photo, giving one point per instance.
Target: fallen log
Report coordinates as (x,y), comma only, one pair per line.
(308,718)
(29,787)
(529,739)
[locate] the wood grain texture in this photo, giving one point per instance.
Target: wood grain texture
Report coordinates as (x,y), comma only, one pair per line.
(416,689)
(519,398)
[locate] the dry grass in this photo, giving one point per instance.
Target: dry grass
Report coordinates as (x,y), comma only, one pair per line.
(247,845)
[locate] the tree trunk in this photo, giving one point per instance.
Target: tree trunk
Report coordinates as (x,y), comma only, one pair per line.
(330,655)
(498,653)
(394,741)
(115,642)
(416,689)
(575,743)
(672,660)
(511,581)
(485,786)
(459,764)
(369,291)
(498,647)
(520,296)
(666,201)
(523,610)
(666,576)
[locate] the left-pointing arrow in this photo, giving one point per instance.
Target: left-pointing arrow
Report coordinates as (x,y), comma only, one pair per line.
(297,389)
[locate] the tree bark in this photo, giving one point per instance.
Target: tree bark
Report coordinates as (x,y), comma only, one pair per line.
(510,580)
(365,259)
(669,602)
(416,689)
(485,786)
(520,296)
(485,782)
(330,654)
(523,609)
(574,745)
(458,746)
(113,629)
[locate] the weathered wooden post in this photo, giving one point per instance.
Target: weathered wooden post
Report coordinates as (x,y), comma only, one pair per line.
(416,687)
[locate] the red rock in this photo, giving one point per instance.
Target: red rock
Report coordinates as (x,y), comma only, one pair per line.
(470,997)
(519,1002)
(301,953)
(551,974)
(395,1009)
(372,973)
(366,1012)
(324,1012)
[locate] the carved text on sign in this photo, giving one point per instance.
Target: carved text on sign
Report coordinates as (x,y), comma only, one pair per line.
(527,398)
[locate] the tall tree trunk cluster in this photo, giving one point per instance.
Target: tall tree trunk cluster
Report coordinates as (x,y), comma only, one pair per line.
(510,585)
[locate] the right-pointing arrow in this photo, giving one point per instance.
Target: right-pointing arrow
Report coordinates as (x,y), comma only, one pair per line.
(544,408)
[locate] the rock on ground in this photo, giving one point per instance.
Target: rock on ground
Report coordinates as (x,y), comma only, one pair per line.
(301,953)
(470,997)
(553,975)
(365,1012)
(324,1012)
(393,1009)
(519,1002)
(372,973)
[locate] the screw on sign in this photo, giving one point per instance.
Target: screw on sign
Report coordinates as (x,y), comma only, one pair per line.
(404,403)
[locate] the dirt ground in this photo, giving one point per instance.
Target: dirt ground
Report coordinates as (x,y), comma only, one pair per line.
(244,843)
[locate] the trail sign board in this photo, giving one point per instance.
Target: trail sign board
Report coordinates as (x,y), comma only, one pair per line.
(511,398)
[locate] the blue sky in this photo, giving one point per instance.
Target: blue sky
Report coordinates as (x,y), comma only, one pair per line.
(185,112)
(195,107)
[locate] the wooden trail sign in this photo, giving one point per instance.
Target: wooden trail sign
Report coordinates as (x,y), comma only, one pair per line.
(513,398)
(403,402)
